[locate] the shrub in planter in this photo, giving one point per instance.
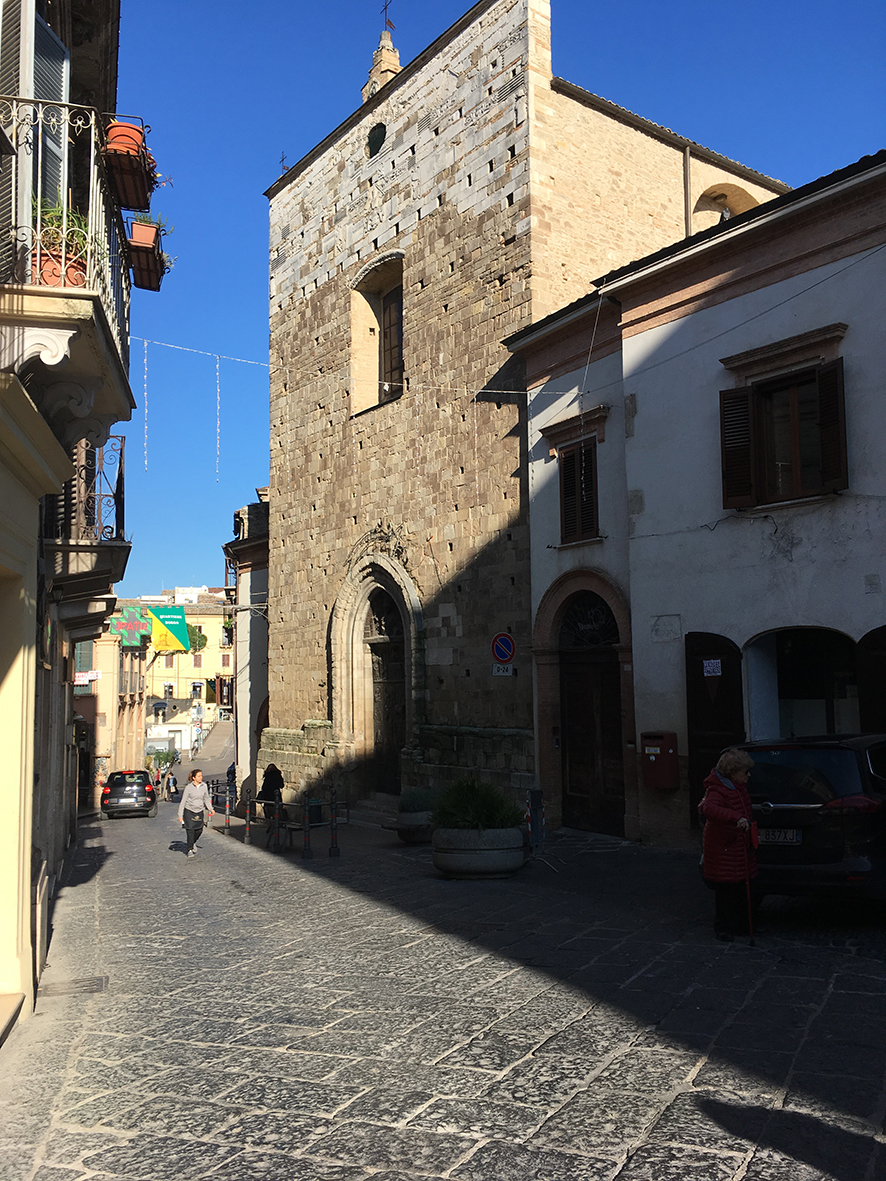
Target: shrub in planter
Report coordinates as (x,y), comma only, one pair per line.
(478,831)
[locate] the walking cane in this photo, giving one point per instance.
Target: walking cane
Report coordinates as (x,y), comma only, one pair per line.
(747,881)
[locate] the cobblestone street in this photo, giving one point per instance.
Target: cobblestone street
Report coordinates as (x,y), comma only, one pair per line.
(333,1020)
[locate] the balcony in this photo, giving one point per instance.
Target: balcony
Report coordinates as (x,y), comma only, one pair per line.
(85,550)
(64,274)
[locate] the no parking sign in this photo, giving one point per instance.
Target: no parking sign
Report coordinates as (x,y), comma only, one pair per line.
(503,652)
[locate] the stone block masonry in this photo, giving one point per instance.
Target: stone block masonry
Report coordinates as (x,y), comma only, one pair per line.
(444,192)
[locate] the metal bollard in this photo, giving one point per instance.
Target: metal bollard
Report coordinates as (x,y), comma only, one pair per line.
(247,835)
(307,852)
(334,850)
(228,811)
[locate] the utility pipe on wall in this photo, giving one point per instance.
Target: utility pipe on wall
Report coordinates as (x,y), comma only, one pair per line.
(687,190)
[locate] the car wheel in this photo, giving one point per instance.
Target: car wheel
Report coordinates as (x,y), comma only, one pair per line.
(153,811)
(108,816)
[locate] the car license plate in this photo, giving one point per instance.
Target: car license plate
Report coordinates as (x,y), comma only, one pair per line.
(781,836)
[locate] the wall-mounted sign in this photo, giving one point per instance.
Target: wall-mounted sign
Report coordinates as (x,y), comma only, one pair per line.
(503,648)
(712,668)
(86,678)
(169,631)
(130,625)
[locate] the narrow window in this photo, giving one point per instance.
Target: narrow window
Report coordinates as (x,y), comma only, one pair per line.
(170,660)
(392,344)
(578,492)
(198,660)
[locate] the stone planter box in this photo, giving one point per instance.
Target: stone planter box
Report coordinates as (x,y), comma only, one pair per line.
(473,853)
(414,828)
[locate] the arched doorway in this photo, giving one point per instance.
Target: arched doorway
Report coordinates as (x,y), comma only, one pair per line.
(590,713)
(802,681)
(376,672)
(383,634)
(871,665)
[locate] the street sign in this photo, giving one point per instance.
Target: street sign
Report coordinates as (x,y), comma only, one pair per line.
(503,648)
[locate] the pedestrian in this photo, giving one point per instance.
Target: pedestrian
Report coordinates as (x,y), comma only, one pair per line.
(271,794)
(194,799)
(171,784)
(729,861)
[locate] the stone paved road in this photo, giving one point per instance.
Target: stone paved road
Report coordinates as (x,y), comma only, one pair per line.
(270,1018)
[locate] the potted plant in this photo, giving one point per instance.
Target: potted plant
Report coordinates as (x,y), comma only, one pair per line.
(61,245)
(477,831)
(131,167)
(413,825)
(149,262)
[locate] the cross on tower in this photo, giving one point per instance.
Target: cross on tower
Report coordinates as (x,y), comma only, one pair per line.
(384,11)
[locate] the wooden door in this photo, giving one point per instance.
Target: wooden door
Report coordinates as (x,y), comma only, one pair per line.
(590,712)
(714,706)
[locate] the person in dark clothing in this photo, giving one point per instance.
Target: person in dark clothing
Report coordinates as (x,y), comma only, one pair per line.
(729,861)
(271,794)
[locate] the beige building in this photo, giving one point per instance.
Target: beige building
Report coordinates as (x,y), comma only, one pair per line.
(64,356)
(470,194)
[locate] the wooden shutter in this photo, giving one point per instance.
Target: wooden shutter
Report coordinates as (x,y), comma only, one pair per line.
(578,492)
(568,495)
(832,427)
(737,448)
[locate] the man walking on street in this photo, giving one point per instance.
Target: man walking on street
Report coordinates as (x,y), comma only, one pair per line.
(194,799)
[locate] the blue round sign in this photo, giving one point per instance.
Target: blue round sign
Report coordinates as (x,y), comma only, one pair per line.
(503,648)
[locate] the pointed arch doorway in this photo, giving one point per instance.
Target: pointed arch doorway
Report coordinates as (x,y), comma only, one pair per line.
(384,636)
(376,672)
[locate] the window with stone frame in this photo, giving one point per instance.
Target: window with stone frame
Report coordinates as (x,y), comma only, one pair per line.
(573,441)
(391,359)
(579,519)
(783,437)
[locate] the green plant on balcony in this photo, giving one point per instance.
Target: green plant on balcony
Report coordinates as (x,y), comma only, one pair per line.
(61,245)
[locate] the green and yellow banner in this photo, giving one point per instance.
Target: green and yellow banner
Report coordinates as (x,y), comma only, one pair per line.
(169,632)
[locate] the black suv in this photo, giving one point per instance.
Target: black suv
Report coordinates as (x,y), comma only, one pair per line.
(820,804)
(128,792)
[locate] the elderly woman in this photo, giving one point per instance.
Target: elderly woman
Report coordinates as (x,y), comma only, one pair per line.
(729,861)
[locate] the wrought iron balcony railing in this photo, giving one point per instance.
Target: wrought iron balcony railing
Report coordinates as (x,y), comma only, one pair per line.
(60,222)
(90,508)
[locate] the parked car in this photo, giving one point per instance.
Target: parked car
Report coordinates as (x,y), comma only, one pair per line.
(820,804)
(128,792)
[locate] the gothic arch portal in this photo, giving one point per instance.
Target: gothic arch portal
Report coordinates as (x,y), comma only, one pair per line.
(561,672)
(365,650)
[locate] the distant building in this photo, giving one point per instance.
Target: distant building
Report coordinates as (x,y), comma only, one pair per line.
(469,195)
(247,557)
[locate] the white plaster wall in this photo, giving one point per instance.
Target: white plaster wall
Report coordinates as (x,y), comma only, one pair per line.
(697,567)
(556,401)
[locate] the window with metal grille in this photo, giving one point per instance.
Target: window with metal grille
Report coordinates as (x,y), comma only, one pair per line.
(784,439)
(578,492)
(391,359)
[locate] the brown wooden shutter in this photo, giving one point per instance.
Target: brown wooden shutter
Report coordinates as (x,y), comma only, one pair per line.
(569,524)
(737,447)
(587,489)
(832,427)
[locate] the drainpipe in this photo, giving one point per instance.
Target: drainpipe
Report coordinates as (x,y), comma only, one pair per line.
(687,190)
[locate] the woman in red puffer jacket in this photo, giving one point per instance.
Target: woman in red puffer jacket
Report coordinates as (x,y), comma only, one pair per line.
(728,859)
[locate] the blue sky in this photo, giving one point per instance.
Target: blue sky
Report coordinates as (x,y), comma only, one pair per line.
(792,89)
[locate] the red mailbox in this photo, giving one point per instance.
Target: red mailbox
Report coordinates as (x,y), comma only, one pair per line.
(658,753)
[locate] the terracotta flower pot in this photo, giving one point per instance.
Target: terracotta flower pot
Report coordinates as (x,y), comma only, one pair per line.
(125,137)
(144,234)
(50,274)
(473,853)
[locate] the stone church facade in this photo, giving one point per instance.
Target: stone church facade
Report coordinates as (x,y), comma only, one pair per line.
(469,195)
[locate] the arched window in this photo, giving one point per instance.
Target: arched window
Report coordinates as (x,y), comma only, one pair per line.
(377,333)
